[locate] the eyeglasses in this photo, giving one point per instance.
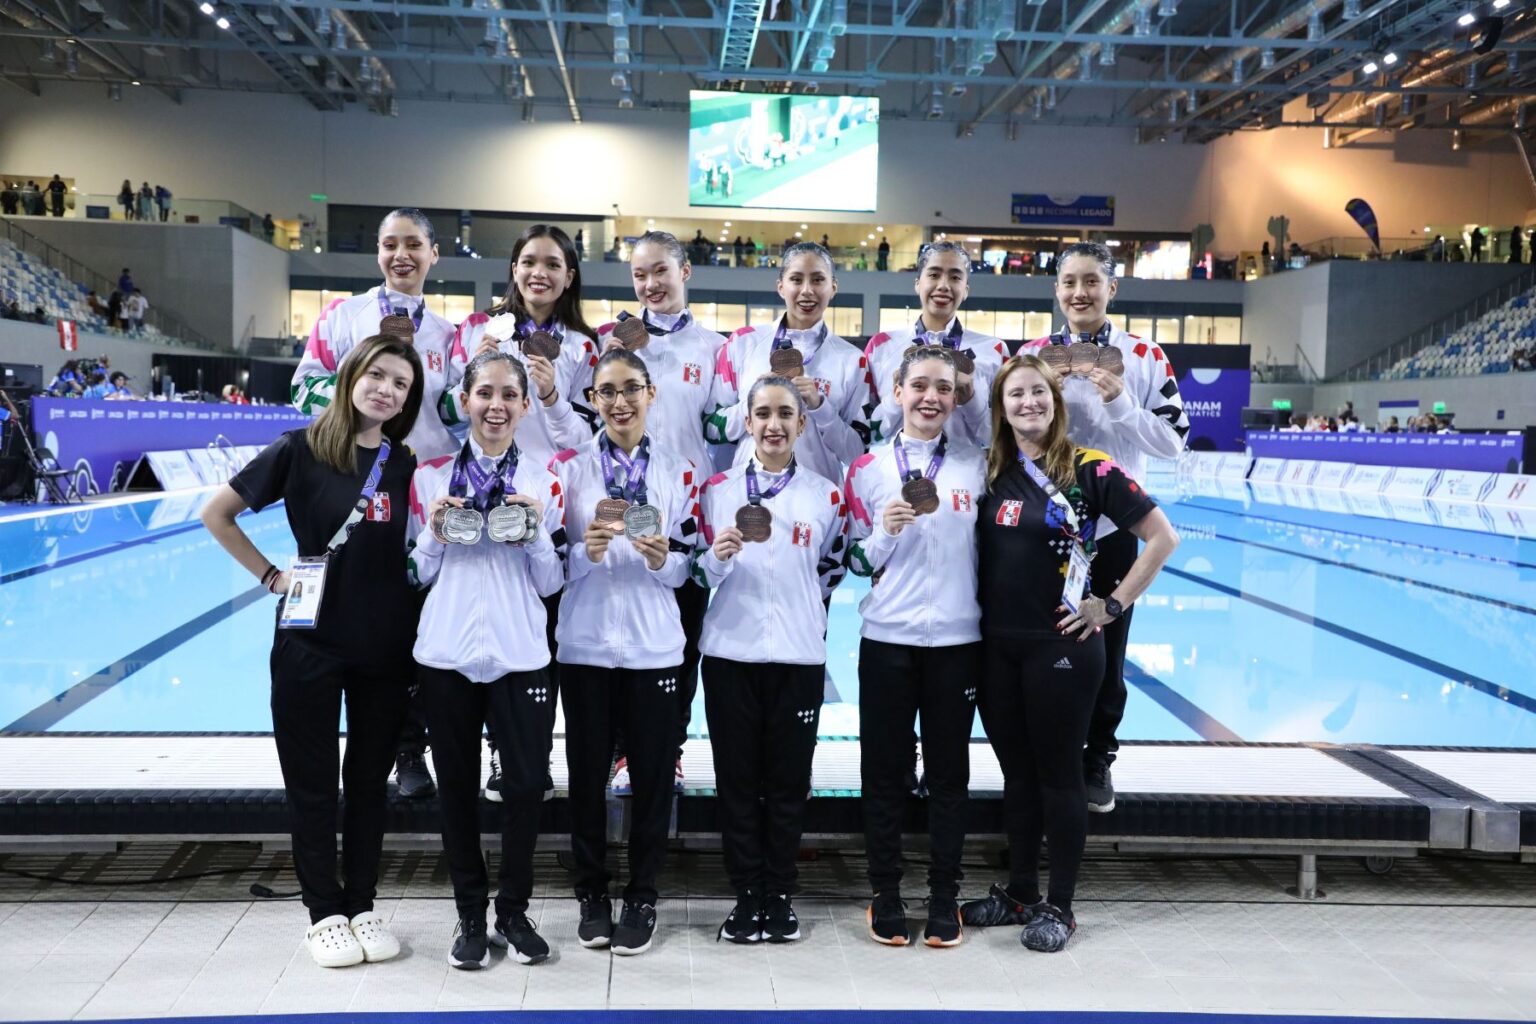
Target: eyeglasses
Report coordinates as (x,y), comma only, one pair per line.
(608,395)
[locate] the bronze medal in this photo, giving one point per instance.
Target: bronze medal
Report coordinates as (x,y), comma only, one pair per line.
(1113,360)
(610,512)
(642,521)
(631,333)
(964,361)
(755,523)
(1083,356)
(542,344)
(922,494)
(398,326)
(786,362)
(1056,357)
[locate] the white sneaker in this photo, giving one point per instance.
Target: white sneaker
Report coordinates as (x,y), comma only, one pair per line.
(373,934)
(332,943)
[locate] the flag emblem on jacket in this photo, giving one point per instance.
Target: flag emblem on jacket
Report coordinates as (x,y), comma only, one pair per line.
(693,373)
(435,362)
(1008,513)
(801,535)
(962,499)
(378,509)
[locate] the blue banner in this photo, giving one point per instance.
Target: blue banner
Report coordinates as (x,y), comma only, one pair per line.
(109,436)
(1490,453)
(1039,208)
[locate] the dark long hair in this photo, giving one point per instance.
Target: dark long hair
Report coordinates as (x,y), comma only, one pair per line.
(568,305)
(332,435)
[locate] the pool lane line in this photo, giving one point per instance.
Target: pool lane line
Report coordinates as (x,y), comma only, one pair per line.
(1181,707)
(1370,537)
(1511,606)
(1455,675)
(56,709)
(85,556)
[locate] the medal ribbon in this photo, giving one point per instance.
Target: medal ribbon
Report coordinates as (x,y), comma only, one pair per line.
(528,326)
(486,489)
(360,509)
(781,338)
(754,496)
(950,341)
(656,330)
(1073,525)
(905,468)
(387,309)
(633,490)
(1098,337)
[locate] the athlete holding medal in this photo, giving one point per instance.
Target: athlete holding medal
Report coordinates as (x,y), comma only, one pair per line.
(1042,628)
(488,524)
(633,504)
(772,540)
(912,507)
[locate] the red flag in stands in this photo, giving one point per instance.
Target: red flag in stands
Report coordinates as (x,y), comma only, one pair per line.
(69,336)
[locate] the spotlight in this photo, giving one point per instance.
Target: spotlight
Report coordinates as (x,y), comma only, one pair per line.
(1466,19)
(1370,67)
(1167,8)
(1039,107)
(1141,26)
(1237,71)
(1499,5)
(1050,97)
(1351,10)
(1314,26)
(394,107)
(222,23)
(1085,70)
(323,22)
(1389,58)
(206,8)
(134,82)
(115,92)
(71,61)
(619,80)
(49,55)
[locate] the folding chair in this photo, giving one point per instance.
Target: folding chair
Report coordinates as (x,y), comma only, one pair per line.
(51,473)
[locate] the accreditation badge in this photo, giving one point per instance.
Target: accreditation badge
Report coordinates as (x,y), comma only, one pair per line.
(1077,578)
(300,608)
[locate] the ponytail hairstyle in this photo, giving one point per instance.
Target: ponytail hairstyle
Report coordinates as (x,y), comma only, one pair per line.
(670,245)
(628,358)
(917,353)
(1057,445)
(332,435)
(568,306)
(478,364)
(1096,251)
(932,249)
(768,380)
(807,249)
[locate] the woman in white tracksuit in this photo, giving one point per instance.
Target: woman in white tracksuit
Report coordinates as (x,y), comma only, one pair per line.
(481,651)
(631,504)
(772,539)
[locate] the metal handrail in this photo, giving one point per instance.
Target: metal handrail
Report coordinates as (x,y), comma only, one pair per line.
(168,323)
(1425,337)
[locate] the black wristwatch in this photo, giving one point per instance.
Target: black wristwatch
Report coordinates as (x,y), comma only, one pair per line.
(1113,608)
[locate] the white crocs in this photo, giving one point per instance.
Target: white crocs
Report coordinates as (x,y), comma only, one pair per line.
(373,934)
(332,944)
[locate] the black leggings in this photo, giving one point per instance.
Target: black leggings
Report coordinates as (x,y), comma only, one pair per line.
(1037,696)
(1116,554)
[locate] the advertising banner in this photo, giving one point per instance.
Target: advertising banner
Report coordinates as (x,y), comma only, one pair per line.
(1039,208)
(1492,453)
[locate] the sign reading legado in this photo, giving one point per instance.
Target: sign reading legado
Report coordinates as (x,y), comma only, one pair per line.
(1039,208)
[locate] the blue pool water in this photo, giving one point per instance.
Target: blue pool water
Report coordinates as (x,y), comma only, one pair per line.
(1271,623)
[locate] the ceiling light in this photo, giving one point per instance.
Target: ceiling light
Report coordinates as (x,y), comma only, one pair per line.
(1466,19)
(1370,67)
(1050,97)
(135,81)
(804,228)
(323,22)
(1107,55)
(206,8)
(1499,5)
(1167,8)
(1389,58)
(1141,25)
(222,23)
(618,80)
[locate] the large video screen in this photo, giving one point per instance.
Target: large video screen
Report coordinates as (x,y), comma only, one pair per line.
(783,152)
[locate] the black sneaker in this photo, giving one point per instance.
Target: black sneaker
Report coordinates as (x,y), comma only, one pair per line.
(596,926)
(517,936)
(637,923)
(887,917)
(471,948)
(998,908)
(412,776)
(943,928)
(493,780)
(1049,930)
(744,924)
(779,921)
(549,781)
(1101,786)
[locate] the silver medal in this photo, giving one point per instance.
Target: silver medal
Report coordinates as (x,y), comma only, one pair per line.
(461,526)
(507,524)
(642,521)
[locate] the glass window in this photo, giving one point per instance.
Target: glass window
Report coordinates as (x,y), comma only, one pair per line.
(453,308)
(728,317)
(894,318)
(1167,330)
(757,316)
(1141,326)
(1036,325)
(846,321)
(599,311)
(1228,330)
(1199,331)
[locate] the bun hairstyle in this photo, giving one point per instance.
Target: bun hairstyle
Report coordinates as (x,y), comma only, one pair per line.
(932,249)
(668,242)
(1095,251)
(917,353)
(416,217)
(478,364)
(779,382)
(807,249)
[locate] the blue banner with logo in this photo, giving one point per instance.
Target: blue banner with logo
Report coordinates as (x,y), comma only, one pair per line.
(1039,208)
(1214,381)
(1490,453)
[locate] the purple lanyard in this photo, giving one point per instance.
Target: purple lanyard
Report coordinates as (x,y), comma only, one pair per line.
(949,341)
(1069,522)
(634,469)
(385,309)
(486,489)
(754,496)
(905,468)
(781,338)
(1098,337)
(656,330)
(553,328)
(364,500)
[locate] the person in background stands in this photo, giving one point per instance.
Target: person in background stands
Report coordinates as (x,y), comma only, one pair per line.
(56,191)
(883,254)
(32,199)
(146,202)
(97,306)
(163,201)
(125,282)
(125,199)
(1517,244)
(134,308)
(10,199)
(1478,241)
(117,386)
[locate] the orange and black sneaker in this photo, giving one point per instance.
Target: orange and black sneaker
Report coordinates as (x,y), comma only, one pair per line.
(887,917)
(943,928)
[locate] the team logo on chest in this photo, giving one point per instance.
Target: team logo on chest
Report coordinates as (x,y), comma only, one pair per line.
(1009,513)
(693,373)
(378,509)
(801,535)
(962,499)
(434,361)
(824,386)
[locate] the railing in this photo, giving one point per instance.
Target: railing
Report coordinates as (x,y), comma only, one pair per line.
(1353,248)
(80,205)
(1368,369)
(169,324)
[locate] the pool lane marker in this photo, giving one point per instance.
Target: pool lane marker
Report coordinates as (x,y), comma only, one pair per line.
(48,714)
(1179,706)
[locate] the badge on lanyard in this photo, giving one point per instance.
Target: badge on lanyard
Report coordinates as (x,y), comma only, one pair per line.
(1078,559)
(1077,578)
(300,608)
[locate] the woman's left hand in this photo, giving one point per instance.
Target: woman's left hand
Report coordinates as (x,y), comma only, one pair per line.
(1090,618)
(654,549)
(808,391)
(531,502)
(1108,384)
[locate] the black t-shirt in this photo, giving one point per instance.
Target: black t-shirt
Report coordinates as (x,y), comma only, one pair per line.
(369,610)
(1023,549)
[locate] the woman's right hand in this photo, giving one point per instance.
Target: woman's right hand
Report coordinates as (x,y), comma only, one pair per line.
(597,537)
(437,505)
(487,344)
(542,373)
(897,515)
(727,543)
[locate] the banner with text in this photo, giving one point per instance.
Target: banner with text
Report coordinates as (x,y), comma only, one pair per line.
(1492,453)
(1039,208)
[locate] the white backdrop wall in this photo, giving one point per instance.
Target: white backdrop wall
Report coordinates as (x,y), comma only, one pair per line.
(270,153)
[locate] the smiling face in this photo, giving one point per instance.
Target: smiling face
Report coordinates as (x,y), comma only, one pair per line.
(659,279)
(1083,292)
(496,405)
(405,254)
(379,394)
(806,286)
(1029,405)
(631,397)
(926,397)
(943,285)
(541,275)
(775,421)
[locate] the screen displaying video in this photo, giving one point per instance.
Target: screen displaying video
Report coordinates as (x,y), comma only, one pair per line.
(783,152)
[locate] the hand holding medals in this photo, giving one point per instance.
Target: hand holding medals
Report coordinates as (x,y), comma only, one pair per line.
(516,522)
(631,333)
(919,493)
(540,350)
(452,523)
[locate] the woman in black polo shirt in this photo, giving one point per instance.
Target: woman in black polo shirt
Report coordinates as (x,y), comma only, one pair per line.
(1044,659)
(345,484)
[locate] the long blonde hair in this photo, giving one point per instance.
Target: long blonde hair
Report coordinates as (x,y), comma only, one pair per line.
(1058,446)
(332,435)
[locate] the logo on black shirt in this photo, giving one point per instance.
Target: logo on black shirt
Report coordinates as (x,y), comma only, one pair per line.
(1009,512)
(378,511)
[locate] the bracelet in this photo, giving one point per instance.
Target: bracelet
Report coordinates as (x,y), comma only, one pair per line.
(545,398)
(270,575)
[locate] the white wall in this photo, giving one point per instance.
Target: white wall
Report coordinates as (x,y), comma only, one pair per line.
(39,344)
(259,293)
(1496,401)
(271,153)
